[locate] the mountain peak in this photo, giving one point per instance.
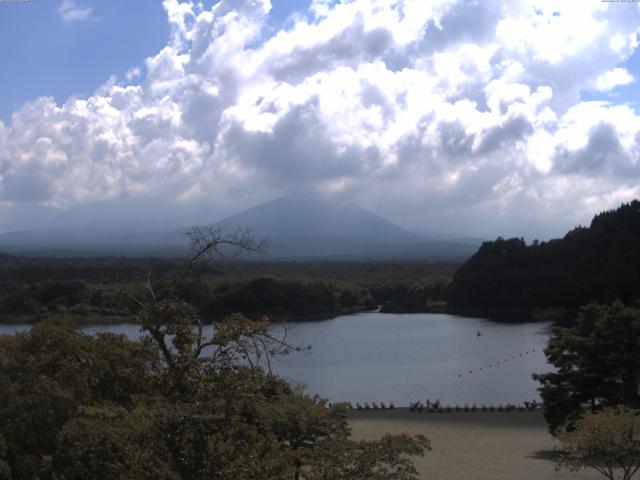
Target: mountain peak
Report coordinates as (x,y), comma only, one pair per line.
(305,217)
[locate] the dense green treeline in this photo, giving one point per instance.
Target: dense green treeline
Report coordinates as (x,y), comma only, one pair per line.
(34,301)
(411,297)
(281,298)
(34,288)
(599,263)
(21,268)
(124,269)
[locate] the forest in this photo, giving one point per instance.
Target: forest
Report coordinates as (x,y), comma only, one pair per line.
(91,289)
(598,263)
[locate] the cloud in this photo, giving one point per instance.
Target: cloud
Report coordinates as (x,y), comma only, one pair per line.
(454,112)
(612,79)
(602,150)
(70,12)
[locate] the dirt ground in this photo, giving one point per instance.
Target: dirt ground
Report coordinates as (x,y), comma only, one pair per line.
(473,445)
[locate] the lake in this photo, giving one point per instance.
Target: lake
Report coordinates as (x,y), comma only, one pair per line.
(403,358)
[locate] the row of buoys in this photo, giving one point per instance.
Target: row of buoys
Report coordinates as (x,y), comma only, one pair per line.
(506,360)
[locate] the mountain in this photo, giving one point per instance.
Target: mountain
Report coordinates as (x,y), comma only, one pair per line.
(307,226)
(298,227)
(596,263)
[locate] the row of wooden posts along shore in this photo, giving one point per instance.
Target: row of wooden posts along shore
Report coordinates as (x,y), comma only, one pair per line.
(508,407)
(436,407)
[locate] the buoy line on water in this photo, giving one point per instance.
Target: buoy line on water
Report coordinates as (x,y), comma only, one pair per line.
(506,360)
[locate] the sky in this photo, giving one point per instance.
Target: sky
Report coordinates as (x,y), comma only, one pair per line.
(463,118)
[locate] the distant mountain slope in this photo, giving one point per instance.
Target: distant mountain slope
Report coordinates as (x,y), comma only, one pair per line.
(598,263)
(301,226)
(301,217)
(93,239)
(298,227)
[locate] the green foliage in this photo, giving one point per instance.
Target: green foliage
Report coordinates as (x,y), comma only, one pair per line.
(597,364)
(61,292)
(607,441)
(111,443)
(5,472)
(176,405)
(48,374)
(283,298)
(89,288)
(75,406)
(384,459)
(599,263)
(415,297)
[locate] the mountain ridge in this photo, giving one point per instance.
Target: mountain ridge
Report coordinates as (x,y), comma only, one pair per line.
(298,227)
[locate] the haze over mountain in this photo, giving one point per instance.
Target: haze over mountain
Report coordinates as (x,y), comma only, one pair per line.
(297,227)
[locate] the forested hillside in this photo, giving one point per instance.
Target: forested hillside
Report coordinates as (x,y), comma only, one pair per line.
(596,263)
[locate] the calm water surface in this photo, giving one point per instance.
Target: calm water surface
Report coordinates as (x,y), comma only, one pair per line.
(406,357)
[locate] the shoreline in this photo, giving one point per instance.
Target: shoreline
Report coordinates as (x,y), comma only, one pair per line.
(493,315)
(515,315)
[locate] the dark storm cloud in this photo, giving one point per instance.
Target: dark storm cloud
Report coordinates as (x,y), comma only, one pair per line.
(298,151)
(352,44)
(504,135)
(602,154)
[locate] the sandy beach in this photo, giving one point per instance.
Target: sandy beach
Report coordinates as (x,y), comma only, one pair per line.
(473,445)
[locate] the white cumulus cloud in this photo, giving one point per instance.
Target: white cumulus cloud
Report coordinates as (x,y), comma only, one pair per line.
(445,116)
(613,78)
